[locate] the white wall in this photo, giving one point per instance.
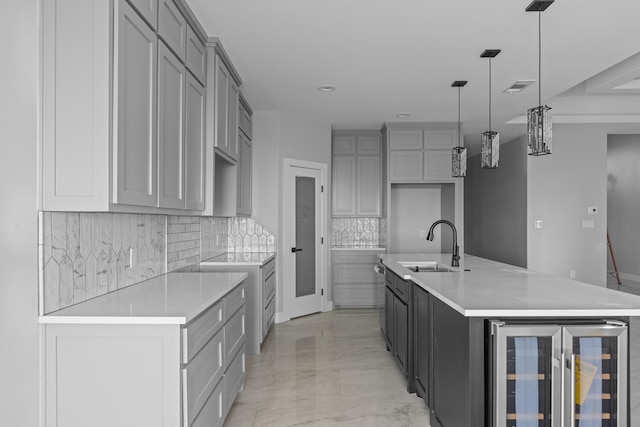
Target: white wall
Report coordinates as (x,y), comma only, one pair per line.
(560,189)
(413,208)
(496,206)
(19,346)
(623,203)
(279,135)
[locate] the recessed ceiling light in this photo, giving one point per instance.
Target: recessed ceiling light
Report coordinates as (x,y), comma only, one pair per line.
(403,115)
(326,88)
(519,86)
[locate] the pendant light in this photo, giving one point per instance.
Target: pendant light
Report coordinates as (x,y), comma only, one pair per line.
(459,153)
(490,143)
(539,135)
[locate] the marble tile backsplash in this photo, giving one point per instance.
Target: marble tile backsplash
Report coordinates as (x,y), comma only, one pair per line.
(248,235)
(84,255)
(358,232)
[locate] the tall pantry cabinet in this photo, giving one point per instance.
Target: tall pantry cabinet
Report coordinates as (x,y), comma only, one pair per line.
(115,107)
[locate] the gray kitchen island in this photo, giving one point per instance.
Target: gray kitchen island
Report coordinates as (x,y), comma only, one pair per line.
(490,344)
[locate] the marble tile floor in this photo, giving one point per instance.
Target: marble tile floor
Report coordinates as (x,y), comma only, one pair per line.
(327,369)
(332,369)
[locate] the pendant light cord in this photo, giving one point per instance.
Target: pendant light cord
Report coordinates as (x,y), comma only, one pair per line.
(540,58)
(459,117)
(489,94)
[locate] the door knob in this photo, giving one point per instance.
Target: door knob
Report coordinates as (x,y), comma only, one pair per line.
(296,249)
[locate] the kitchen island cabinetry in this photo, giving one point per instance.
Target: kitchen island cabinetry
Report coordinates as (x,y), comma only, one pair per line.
(167,351)
(471,327)
(104,146)
(357,174)
(397,320)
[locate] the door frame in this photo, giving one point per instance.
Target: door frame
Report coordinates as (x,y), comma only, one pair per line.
(288,264)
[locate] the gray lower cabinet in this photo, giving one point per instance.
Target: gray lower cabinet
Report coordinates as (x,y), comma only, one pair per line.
(397,317)
(421,342)
(355,284)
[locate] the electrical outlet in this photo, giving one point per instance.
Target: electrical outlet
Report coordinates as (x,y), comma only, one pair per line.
(538,223)
(423,234)
(129,261)
(587,223)
(572,274)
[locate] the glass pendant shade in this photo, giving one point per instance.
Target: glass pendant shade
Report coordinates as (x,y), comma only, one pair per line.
(539,136)
(490,150)
(459,162)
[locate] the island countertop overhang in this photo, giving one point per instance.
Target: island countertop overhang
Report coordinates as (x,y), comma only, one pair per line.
(485,288)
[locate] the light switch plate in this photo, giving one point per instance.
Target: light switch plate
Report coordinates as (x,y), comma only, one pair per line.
(592,210)
(538,223)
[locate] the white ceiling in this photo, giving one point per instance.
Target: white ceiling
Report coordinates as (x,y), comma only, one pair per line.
(400,56)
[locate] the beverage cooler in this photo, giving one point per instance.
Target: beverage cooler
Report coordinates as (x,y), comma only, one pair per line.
(573,375)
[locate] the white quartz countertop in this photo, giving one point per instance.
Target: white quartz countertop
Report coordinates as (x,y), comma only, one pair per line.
(173,298)
(240,258)
(491,288)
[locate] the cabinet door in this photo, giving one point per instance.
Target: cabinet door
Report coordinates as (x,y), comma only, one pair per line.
(344,145)
(223,79)
(232,123)
(344,185)
(136,109)
(368,145)
(196,56)
(148,9)
(388,317)
(171,85)
(421,332)
(247,123)
(194,144)
(437,165)
(401,139)
(369,186)
(440,138)
(244,176)
(400,331)
(406,166)
(172,28)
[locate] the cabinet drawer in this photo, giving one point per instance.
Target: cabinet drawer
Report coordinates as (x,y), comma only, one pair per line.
(201,376)
(269,289)
(234,379)
(401,288)
(269,317)
(213,410)
(234,334)
(348,257)
(233,301)
(199,331)
(269,268)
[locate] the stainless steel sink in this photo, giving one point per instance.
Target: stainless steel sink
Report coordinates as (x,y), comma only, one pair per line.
(426,267)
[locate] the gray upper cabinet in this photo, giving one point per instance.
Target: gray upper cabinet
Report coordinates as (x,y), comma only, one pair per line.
(194,144)
(226,114)
(421,154)
(171,102)
(357,175)
(135,85)
(148,9)
(172,28)
(244,176)
(114,139)
(196,56)
(344,186)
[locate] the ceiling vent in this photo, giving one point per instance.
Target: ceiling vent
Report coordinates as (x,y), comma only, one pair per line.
(519,86)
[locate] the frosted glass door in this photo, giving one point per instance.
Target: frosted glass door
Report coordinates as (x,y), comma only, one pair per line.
(527,380)
(305,236)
